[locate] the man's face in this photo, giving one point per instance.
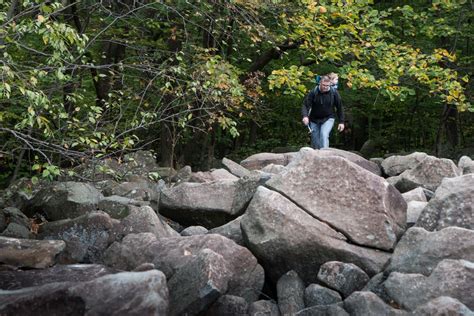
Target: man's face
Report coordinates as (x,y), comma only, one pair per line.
(324,86)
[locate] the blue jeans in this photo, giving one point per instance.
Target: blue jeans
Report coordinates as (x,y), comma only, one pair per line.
(320,133)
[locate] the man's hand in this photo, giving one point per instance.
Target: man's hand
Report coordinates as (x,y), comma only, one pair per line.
(340,127)
(305,120)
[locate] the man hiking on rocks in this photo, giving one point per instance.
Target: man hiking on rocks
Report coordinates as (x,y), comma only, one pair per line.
(318,112)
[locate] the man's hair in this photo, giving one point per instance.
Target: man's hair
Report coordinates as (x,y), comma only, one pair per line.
(325,79)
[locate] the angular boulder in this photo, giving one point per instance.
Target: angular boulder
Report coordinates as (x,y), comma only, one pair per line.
(350,199)
(290,292)
(235,168)
(420,251)
(316,294)
(342,277)
(170,254)
(427,174)
(397,164)
(28,253)
(144,220)
(198,284)
(64,200)
(284,237)
(86,236)
(454,278)
(207,204)
(452,205)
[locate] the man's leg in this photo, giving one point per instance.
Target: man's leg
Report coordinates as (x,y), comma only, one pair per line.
(326,128)
(314,135)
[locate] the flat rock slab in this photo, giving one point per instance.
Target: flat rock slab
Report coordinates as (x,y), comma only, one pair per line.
(350,199)
(126,293)
(260,160)
(18,279)
(28,253)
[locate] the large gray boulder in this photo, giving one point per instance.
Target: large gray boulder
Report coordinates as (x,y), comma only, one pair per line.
(198,284)
(452,205)
(342,277)
(143,220)
(126,293)
(18,279)
(397,164)
(28,253)
(86,236)
(427,174)
(208,204)
(420,251)
(284,237)
(350,199)
(63,200)
(170,254)
(454,278)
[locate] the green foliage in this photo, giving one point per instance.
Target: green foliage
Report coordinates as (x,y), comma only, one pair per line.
(89,81)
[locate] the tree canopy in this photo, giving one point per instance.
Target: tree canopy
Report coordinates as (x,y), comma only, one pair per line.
(194,80)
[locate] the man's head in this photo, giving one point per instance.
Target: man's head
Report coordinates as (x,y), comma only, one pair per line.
(325,84)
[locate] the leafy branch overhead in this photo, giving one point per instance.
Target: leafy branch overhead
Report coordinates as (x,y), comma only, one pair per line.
(90,79)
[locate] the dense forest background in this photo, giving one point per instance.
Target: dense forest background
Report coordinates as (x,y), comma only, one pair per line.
(198,80)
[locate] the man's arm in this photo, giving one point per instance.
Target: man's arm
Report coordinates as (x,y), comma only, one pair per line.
(306,108)
(339,111)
